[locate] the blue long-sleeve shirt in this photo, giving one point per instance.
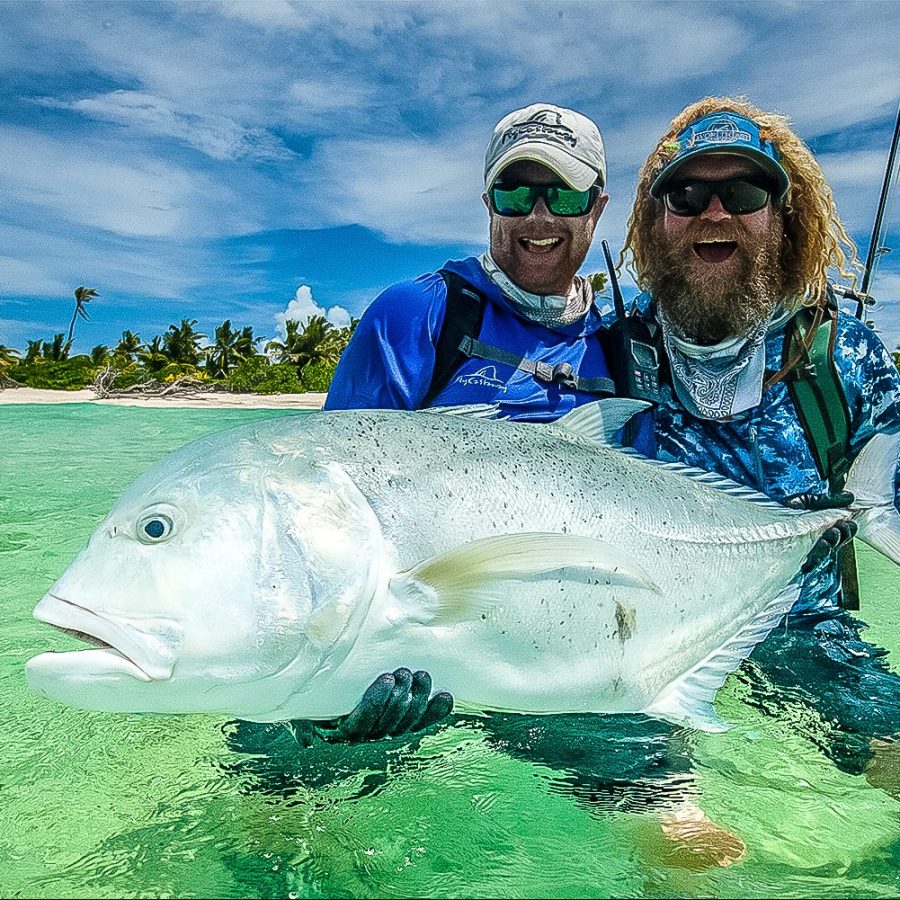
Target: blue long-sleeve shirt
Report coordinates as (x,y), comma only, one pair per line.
(390,360)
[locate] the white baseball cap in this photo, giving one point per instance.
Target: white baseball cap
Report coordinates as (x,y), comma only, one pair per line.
(561,139)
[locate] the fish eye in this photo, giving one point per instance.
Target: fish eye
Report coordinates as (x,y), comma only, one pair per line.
(155,528)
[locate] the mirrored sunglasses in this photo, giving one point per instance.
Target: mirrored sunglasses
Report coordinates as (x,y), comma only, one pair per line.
(520,199)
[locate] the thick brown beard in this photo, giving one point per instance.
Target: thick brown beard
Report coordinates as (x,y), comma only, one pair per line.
(709,310)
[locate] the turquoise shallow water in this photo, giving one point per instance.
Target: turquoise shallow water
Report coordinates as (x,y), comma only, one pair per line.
(97,805)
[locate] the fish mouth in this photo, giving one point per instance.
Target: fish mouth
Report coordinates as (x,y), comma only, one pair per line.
(114,648)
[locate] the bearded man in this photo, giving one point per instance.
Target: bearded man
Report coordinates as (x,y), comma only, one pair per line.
(732,235)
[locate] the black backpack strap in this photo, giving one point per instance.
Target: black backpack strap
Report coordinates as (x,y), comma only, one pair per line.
(462,319)
(458,341)
(561,373)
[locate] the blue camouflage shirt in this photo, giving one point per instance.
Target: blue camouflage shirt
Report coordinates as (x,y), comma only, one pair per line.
(765,447)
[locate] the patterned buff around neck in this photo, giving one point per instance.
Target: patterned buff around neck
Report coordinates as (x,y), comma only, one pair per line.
(552,310)
(721,380)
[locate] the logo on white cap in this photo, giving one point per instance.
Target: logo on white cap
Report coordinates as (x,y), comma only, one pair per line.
(541,125)
(561,139)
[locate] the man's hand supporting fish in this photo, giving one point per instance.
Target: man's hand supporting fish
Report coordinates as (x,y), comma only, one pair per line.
(396,703)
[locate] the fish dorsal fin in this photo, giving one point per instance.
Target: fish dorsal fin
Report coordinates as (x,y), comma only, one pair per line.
(601,419)
(468,580)
(689,699)
(714,480)
(469,411)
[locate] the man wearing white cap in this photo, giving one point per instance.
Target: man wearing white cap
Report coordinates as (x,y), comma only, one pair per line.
(516,326)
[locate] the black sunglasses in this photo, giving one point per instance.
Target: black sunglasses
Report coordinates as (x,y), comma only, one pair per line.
(520,199)
(739,196)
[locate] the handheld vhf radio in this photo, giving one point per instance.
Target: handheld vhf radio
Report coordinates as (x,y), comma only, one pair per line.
(633,357)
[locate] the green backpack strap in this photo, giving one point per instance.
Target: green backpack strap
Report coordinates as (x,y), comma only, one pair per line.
(818,394)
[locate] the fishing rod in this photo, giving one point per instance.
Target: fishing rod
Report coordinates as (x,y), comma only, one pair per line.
(876,249)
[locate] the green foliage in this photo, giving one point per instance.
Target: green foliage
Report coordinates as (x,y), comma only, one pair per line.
(8,357)
(129,375)
(129,346)
(33,351)
(896,355)
(174,371)
(229,349)
(317,376)
(57,350)
(58,375)
(598,280)
(99,354)
(152,357)
(181,343)
(258,375)
(316,341)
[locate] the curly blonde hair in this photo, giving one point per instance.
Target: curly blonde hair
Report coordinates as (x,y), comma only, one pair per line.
(815,239)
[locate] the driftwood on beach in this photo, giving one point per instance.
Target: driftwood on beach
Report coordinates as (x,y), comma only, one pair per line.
(7,382)
(187,387)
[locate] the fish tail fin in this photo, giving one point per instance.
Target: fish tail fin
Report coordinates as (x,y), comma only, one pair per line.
(872,481)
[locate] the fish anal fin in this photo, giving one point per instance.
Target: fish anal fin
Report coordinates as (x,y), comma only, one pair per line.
(689,699)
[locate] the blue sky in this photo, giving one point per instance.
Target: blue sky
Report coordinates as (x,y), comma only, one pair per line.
(223,160)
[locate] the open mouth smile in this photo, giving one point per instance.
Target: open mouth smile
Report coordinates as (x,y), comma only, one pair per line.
(715,251)
(540,245)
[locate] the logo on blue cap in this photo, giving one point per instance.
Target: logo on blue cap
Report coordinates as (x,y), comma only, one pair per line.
(724,132)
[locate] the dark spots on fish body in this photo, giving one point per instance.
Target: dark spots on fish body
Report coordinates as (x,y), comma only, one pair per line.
(625,621)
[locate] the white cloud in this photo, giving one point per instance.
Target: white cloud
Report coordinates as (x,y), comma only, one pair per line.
(73,185)
(303,307)
(408,189)
(217,136)
(21,277)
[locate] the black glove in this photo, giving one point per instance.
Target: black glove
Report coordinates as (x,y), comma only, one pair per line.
(395,703)
(835,537)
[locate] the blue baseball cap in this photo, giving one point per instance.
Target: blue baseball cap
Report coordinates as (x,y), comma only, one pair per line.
(724,132)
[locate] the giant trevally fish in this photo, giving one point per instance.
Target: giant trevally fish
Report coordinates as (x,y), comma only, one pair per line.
(273,571)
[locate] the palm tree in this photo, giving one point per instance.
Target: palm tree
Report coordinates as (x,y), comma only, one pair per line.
(230,348)
(344,334)
(182,344)
(57,351)
(246,343)
(99,354)
(83,296)
(317,341)
(8,357)
(33,351)
(153,357)
(129,346)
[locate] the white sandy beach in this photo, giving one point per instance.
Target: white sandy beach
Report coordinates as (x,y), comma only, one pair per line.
(200,401)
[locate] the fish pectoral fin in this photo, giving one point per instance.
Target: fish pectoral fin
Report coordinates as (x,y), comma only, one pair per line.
(689,699)
(460,585)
